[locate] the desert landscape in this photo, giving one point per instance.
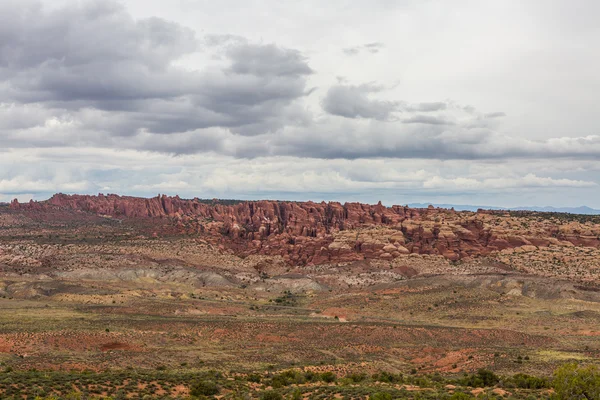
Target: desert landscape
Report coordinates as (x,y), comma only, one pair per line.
(124,297)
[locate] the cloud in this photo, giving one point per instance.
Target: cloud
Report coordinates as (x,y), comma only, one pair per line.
(353,102)
(89,74)
(518,182)
(426,107)
(90,51)
(268,60)
(372,48)
(22,184)
(94,56)
(395,181)
(427,119)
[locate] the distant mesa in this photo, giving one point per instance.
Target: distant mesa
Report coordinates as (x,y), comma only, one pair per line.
(583,210)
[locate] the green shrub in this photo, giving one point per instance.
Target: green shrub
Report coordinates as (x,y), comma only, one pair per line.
(310,376)
(356,378)
(381,396)
(328,377)
(572,381)
(287,378)
(387,377)
(204,388)
(460,396)
(271,395)
(254,378)
(524,381)
(482,378)
(296,395)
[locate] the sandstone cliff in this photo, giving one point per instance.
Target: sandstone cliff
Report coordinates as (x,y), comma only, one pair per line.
(316,233)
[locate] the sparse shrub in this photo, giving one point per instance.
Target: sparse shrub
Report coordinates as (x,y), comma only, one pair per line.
(287,378)
(572,381)
(387,377)
(255,378)
(296,395)
(525,381)
(310,376)
(482,378)
(74,396)
(356,378)
(328,377)
(204,388)
(381,396)
(460,396)
(271,395)
(437,377)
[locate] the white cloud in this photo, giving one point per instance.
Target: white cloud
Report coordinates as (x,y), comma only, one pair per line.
(22,185)
(212,175)
(527,181)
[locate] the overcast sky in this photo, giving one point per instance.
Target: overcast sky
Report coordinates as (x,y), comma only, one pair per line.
(464,102)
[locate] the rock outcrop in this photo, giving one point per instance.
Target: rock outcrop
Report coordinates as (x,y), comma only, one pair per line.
(317,233)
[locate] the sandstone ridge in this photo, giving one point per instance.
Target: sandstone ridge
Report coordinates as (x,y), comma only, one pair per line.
(318,233)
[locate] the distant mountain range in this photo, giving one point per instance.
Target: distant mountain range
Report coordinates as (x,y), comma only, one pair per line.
(465,207)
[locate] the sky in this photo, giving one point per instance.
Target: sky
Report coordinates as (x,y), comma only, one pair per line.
(464,102)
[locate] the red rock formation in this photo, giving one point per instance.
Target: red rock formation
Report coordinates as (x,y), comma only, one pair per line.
(308,232)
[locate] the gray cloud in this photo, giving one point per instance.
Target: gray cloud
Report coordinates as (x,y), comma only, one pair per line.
(353,102)
(427,119)
(268,60)
(351,51)
(95,55)
(372,48)
(426,107)
(91,51)
(144,173)
(115,82)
